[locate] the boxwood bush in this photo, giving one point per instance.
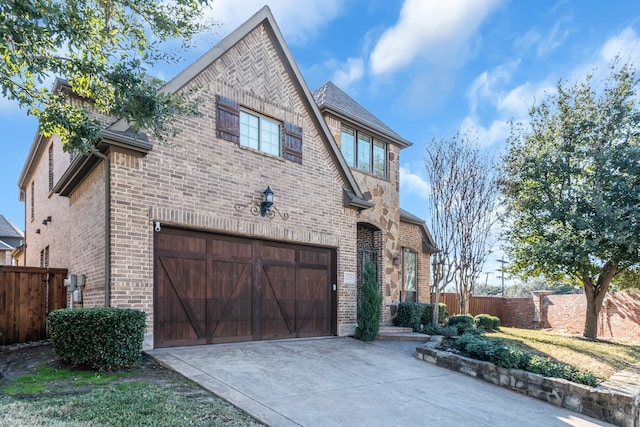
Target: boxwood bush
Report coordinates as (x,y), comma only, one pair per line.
(413,314)
(502,354)
(487,321)
(464,323)
(97,338)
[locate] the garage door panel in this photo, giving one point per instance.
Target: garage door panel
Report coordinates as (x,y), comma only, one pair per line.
(278,302)
(277,253)
(230,300)
(181,299)
(314,257)
(313,303)
(181,244)
(213,288)
(229,248)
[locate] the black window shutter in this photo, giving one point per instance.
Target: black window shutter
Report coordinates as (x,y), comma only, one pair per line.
(292,142)
(227,119)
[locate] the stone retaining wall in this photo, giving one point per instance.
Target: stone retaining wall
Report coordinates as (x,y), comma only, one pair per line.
(603,403)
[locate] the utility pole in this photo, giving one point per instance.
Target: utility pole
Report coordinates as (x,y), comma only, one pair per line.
(501,270)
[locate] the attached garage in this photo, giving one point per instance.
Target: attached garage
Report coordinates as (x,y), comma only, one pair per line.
(212,288)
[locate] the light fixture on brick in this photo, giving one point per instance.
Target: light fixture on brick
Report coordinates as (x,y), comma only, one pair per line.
(263,208)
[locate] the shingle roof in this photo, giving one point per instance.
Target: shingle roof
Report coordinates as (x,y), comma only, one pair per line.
(7,229)
(329,96)
(5,247)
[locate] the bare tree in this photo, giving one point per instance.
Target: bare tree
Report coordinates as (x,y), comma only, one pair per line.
(463,195)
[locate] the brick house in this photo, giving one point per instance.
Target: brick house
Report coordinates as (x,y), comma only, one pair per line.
(253,222)
(11,242)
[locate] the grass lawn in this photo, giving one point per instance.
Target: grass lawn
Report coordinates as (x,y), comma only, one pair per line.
(602,358)
(35,389)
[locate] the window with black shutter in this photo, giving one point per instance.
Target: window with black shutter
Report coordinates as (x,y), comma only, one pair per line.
(227,119)
(292,143)
(258,132)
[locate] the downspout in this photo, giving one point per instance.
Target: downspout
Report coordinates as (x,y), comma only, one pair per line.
(107,226)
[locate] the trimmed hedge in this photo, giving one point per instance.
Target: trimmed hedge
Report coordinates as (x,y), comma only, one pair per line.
(502,354)
(486,321)
(98,338)
(413,314)
(463,322)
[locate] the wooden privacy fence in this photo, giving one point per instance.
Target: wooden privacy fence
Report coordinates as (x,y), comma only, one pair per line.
(477,305)
(27,296)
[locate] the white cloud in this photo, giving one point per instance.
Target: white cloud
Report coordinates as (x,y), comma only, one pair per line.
(489,92)
(348,73)
(298,22)
(625,45)
(487,136)
(413,183)
(546,41)
(430,29)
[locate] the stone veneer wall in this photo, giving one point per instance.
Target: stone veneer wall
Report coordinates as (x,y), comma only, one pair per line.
(610,405)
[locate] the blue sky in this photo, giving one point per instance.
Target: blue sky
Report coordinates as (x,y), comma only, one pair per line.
(427,68)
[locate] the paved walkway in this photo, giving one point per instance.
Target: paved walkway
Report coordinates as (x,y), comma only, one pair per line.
(345,382)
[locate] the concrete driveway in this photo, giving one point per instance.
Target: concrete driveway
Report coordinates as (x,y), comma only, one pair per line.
(345,382)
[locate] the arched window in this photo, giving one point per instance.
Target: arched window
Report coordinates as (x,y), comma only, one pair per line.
(409,276)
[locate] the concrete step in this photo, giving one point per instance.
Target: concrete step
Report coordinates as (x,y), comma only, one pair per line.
(395,329)
(402,336)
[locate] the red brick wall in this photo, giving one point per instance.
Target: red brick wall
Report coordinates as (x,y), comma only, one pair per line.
(619,317)
(518,312)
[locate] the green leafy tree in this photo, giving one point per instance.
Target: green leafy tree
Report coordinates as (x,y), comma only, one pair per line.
(369,308)
(101,48)
(571,180)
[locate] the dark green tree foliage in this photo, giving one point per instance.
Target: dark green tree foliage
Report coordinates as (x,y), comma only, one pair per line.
(369,309)
(571,181)
(102,49)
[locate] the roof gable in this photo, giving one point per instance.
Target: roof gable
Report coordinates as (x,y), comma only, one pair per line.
(331,98)
(265,17)
(8,229)
(428,244)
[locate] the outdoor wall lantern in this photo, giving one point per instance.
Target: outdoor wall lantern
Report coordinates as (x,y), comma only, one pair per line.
(267,201)
(265,207)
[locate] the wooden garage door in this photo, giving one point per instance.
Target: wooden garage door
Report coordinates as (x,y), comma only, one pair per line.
(212,288)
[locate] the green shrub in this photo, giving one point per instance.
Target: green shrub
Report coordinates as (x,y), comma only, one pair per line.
(427,314)
(464,323)
(502,354)
(410,315)
(98,338)
(496,322)
(550,368)
(486,321)
(369,308)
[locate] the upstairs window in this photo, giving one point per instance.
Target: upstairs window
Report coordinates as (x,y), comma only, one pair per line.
(260,133)
(364,153)
(32,202)
(51,167)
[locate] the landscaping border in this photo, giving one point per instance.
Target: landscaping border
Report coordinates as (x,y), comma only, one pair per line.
(604,403)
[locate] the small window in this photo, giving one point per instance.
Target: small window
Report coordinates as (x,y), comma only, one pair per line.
(364,153)
(32,201)
(348,146)
(44,257)
(409,275)
(51,167)
(260,133)
(379,156)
